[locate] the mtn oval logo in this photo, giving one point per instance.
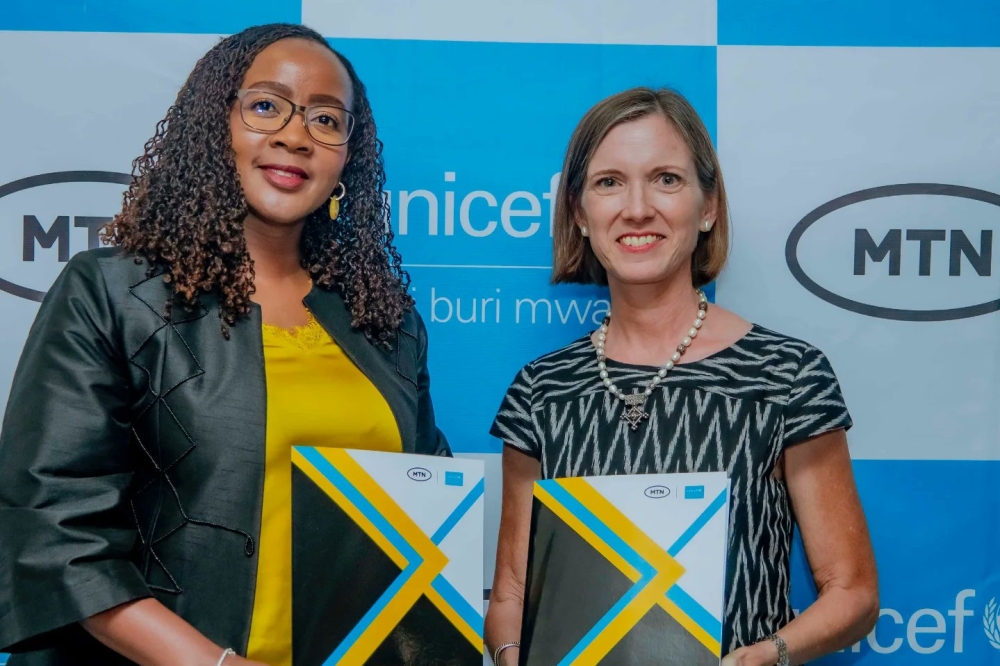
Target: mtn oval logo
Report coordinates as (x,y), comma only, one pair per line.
(888,246)
(53,233)
(419,474)
(657,492)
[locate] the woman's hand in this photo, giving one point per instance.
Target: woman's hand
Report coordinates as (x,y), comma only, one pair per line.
(149,634)
(760,654)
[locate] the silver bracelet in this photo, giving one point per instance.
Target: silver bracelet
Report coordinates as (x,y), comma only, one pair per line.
(779,643)
(226,653)
(496,654)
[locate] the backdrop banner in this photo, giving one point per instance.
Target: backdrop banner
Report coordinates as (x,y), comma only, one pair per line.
(860,143)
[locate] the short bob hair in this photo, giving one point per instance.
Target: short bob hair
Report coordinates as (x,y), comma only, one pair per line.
(574,260)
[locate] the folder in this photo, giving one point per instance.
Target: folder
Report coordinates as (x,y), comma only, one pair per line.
(626,570)
(387,559)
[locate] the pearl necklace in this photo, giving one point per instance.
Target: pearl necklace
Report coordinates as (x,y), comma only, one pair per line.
(635,403)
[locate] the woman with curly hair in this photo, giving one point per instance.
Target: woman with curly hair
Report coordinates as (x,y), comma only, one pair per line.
(252,301)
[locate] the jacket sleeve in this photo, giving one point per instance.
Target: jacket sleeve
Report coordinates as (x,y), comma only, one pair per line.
(429,438)
(65,535)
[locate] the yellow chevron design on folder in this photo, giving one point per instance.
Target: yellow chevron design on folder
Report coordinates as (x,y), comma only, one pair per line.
(382,519)
(632,552)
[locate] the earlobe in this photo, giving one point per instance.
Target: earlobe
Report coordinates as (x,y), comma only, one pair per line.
(711,213)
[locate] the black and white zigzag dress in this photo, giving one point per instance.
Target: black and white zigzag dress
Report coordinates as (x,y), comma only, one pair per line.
(735,411)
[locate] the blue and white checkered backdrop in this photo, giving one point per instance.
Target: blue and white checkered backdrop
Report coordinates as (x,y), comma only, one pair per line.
(813,105)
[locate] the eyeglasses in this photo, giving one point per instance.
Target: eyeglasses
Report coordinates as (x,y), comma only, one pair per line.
(265,111)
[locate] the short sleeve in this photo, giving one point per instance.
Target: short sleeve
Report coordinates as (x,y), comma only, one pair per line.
(815,403)
(513,423)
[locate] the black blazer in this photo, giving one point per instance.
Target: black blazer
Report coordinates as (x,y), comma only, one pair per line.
(132,456)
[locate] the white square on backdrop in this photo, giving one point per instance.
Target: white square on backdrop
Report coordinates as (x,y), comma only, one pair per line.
(650,22)
(88,102)
(799,127)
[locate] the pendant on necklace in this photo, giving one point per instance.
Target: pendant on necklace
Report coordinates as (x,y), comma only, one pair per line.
(635,411)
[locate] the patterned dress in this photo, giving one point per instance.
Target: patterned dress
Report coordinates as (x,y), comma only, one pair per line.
(735,411)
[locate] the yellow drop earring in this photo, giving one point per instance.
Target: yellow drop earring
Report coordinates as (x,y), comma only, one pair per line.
(335,201)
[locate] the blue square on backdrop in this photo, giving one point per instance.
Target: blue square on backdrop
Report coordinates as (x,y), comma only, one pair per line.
(454,479)
(474,136)
(923,520)
(467,125)
(694,492)
(180,16)
(961,23)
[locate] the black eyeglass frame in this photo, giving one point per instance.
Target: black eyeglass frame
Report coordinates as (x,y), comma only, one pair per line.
(296,108)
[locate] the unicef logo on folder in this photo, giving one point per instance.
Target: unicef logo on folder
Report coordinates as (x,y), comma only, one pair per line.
(694,492)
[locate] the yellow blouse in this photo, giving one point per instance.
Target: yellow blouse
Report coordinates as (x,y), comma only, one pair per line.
(316,396)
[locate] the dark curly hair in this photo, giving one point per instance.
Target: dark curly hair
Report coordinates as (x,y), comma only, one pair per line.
(184,210)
